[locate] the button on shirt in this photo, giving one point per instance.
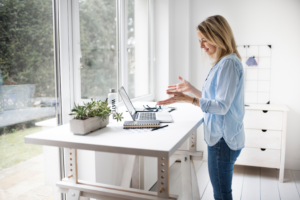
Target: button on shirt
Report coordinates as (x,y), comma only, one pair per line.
(223,103)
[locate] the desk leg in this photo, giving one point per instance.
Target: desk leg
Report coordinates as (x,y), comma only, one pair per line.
(186,177)
(190,189)
(195,188)
(73,195)
(193,142)
(71,165)
(163,177)
(128,171)
(136,173)
(71,172)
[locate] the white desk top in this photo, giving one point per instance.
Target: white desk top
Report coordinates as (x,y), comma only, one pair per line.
(160,143)
(47,123)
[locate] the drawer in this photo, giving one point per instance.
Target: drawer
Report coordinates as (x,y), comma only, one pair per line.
(259,119)
(256,157)
(268,139)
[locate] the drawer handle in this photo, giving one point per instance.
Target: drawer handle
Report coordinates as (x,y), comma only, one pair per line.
(265,111)
(264,130)
(262,149)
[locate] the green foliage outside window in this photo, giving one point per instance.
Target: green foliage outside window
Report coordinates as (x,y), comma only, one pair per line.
(98,41)
(26,44)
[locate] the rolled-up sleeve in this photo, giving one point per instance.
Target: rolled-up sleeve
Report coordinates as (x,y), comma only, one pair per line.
(226,85)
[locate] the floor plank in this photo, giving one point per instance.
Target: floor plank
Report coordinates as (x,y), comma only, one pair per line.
(237,181)
(296,177)
(251,185)
(288,189)
(209,192)
(269,184)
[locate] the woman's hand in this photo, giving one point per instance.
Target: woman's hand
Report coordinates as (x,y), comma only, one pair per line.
(184,86)
(177,96)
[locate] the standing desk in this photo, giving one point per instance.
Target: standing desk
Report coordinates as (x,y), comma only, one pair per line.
(162,144)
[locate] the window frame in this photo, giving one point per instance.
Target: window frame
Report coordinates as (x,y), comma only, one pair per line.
(122,74)
(69,49)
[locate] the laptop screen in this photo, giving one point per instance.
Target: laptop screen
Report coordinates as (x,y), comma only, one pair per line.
(126,101)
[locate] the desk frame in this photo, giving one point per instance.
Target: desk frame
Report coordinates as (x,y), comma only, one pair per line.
(76,188)
(187,119)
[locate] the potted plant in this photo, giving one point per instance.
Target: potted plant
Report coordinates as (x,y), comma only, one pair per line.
(91,116)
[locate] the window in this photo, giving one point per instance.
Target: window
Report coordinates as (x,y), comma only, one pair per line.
(98,44)
(27,92)
(113,50)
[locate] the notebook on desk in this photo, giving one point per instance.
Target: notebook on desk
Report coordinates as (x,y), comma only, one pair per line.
(141,116)
(141,124)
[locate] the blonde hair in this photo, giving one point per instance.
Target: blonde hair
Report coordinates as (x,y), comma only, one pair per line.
(217,31)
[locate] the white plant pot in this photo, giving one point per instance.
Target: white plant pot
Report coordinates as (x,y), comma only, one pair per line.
(82,127)
(104,122)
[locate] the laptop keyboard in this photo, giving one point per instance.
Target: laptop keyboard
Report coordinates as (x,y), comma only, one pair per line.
(147,116)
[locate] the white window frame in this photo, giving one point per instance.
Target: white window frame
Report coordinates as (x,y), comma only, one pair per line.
(69,35)
(73,38)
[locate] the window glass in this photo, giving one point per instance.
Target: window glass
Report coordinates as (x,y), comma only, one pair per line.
(138,48)
(27,92)
(98,41)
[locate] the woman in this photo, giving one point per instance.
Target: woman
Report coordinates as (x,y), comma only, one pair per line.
(221,100)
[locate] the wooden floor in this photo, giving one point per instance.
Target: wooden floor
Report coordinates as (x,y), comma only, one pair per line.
(25,181)
(249,183)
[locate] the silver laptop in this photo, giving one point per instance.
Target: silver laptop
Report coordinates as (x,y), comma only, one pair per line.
(136,115)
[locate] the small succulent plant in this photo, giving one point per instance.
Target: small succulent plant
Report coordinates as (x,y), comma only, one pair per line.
(79,112)
(95,108)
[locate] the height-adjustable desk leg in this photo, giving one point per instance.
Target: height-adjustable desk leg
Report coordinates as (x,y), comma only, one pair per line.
(73,195)
(163,177)
(195,187)
(71,165)
(136,173)
(186,177)
(193,142)
(190,189)
(71,172)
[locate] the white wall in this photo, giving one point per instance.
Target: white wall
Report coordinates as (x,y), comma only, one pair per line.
(162,49)
(141,48)
(171,35)
(253,22)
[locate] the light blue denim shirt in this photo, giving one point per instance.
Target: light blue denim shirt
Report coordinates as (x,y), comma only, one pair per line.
(223,103)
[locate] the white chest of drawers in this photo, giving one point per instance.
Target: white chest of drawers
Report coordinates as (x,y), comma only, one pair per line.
(265,132)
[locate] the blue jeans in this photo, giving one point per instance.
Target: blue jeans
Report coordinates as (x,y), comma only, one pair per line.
(220,167)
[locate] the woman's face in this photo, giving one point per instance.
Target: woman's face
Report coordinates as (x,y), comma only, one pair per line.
(209,48)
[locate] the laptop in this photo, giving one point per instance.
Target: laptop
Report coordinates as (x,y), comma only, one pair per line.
(140,115)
